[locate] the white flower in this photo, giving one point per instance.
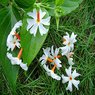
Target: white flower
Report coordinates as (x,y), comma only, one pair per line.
(71,78)
(55,57)
(12,42)
(45,56)
(69,43)
(16,26)
(38,20)
(51,56)
(17,61)
(51,73)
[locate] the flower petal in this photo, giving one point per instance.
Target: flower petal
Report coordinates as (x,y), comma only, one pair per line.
(64,50)
(69,87)
(42,29)
(43,62)
(30,22)
(46,51)
(52,50)
(75,74)
(33,14)
(68,71)
(73,38)
(46,68)
(23,66)
(33,30)
(57,62)
(70,61)
(66,38)
(16,26)
(46,21)
(42,14)
(75,83)
(65,79)
(53,75)
(56,52)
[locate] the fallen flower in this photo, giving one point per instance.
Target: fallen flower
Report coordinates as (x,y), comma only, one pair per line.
(17,60)
(71,78)
(69,43)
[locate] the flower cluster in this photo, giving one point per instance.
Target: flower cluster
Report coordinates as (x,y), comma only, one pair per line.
(39,20)
(13,41)
(51,61)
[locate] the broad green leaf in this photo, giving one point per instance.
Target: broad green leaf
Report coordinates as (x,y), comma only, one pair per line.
(4,2)
(70,5)
(25,3)
(16,13)
(7,20)
(30,44)
(63,9)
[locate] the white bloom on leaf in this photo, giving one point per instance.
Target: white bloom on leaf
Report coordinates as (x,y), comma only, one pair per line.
(69,43)
(13,38)
(12,42)
(17,61)
(37,21)
(71,78)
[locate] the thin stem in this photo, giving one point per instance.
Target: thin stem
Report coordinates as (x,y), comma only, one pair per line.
(20,53)
(53,69)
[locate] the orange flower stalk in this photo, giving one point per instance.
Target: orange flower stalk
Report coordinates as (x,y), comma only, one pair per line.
(49,60)
(53,69)
(20,53)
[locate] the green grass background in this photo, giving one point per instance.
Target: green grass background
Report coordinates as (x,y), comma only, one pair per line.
(37,82)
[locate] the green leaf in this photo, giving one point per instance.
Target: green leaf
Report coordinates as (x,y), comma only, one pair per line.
(30,44)
(4,2)
(63,9)
(59,2)
(70,5)
(25,3)
(7,20)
